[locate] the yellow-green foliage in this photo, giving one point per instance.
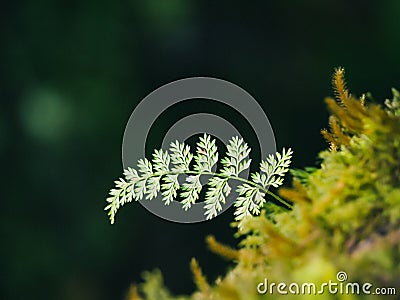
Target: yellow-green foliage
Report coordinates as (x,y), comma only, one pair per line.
(345,217)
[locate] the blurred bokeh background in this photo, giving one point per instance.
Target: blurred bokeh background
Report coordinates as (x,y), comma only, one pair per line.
(71,73)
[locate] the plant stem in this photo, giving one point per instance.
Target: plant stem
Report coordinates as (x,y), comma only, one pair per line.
(287,204)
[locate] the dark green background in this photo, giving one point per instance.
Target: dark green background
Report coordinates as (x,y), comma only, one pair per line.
(71,72)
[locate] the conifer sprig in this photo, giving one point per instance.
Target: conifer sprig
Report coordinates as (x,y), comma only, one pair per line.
(160,175)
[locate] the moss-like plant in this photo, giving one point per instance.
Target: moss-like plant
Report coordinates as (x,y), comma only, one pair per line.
(343,230)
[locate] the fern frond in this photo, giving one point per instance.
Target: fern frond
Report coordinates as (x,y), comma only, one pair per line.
(145,167)
(180,156)
(191,190)
(160,175)
(152,187)
(119,196)
(251,197)
(161,161)
(170,188)
(207,155)
(215,196)
(249,202)
(276,168)
(235,162)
